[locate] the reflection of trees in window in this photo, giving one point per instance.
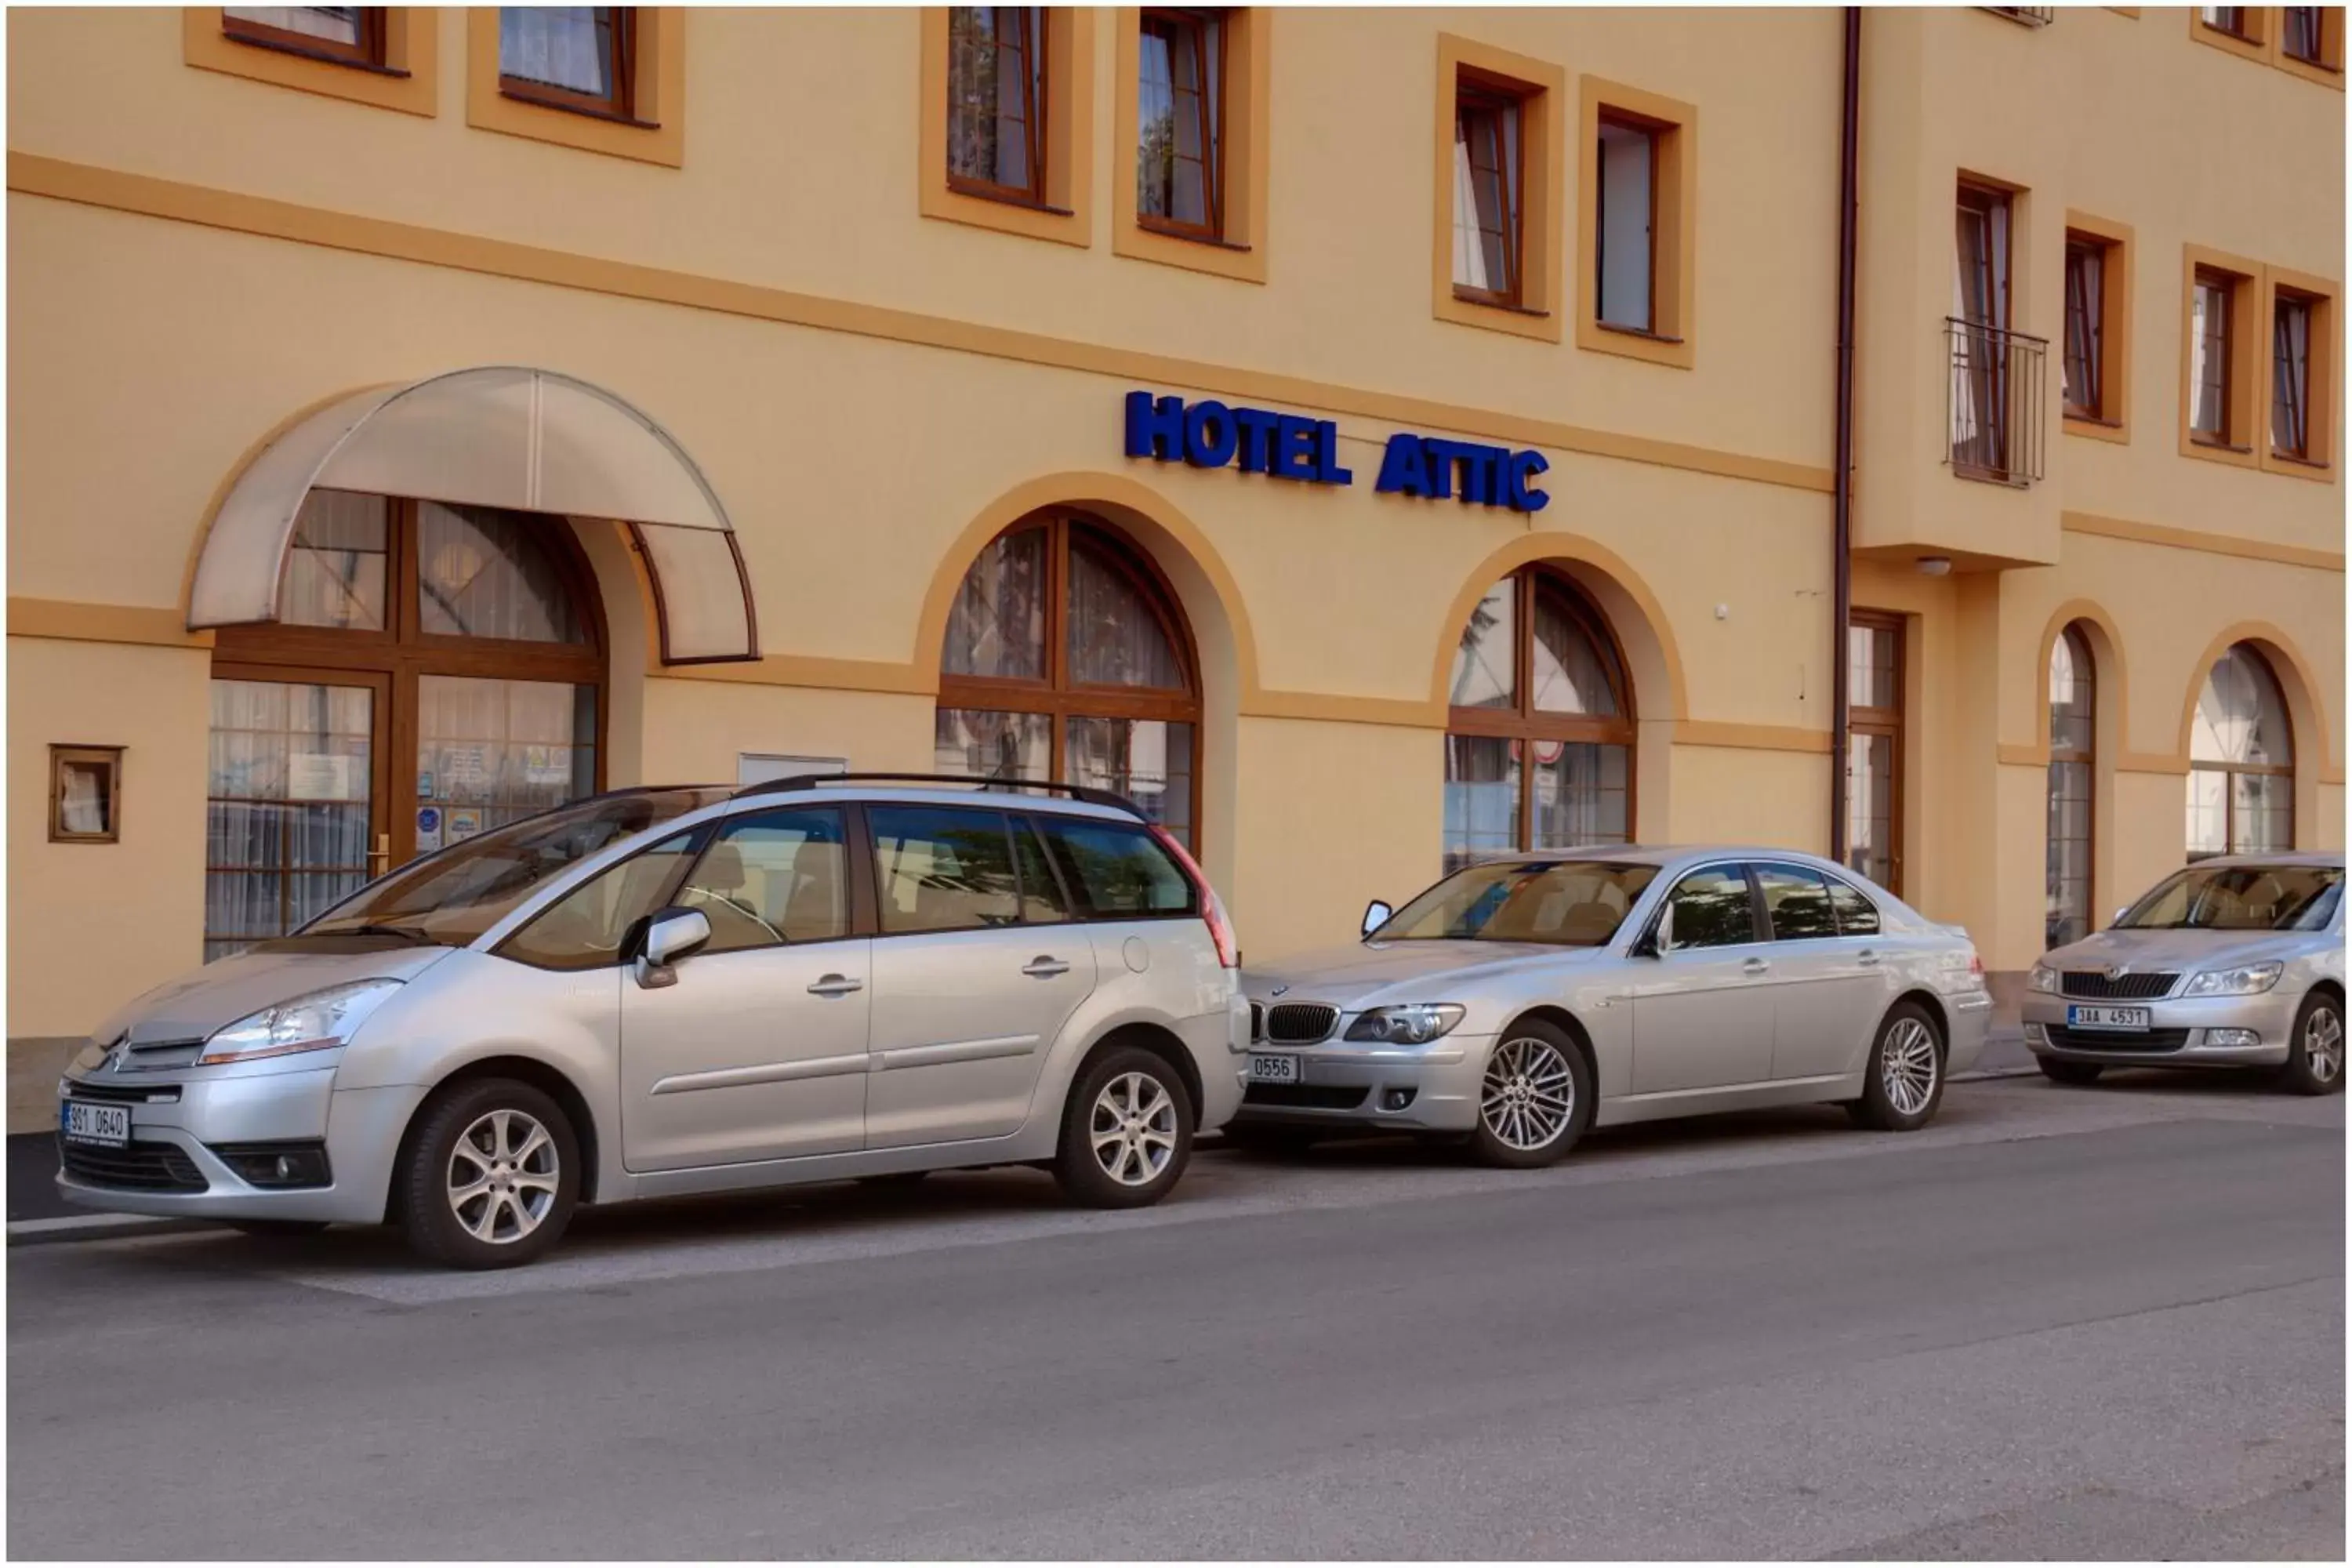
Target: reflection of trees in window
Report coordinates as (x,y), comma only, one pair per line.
(2240,761)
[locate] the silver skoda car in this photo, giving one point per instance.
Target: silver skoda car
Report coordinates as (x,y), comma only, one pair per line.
(1520,1000)
(2235,962)
(658,991)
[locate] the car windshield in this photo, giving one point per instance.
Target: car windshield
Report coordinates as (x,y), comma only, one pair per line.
(2241,898)
(454,896)
(1571,903)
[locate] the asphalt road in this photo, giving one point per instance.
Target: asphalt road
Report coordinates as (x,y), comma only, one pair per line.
(2068,1324)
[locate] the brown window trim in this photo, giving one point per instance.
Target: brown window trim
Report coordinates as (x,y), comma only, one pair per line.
(2245,409)
(1055,694)
(2322,373)
(619,105)
(1671,337)
(1655,132)
(108,757)
(403,76)
(1212,113)
(367,53)
(1887,722)
(2096,366)
(1528,724)
(1483,93)
(1037,90)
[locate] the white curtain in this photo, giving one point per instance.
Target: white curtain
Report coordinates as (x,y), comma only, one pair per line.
(559,44)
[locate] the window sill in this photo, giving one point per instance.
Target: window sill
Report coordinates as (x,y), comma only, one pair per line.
(2002,477)
(1191,236)
(1006,199)
(608,117)
(2318,470)
(324,57)
(2207,444)
(2094,427)
(1641,335)
(1496,302)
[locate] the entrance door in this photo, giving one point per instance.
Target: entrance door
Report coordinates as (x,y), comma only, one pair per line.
(295,799)
(1873,760)
(435,671)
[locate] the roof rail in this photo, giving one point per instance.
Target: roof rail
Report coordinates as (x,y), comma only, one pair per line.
(1092,797)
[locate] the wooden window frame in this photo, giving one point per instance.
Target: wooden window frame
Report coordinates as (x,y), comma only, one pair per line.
(1888,723)
(618,104)
(1673,125)
(1210,128)
(107,757)
(2256,41)
(1237,250)
(1477,92)
(1036,91)
(651,126)
(1055,694)
(1525,725)
(2327,70)
(1063,210)
(1655,135)
(2323,374)
(2086,756)
(400,71)
(403,651)
(2111,421)
(1540,88)
(2245,403)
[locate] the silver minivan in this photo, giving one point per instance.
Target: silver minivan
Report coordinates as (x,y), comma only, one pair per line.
(664,991)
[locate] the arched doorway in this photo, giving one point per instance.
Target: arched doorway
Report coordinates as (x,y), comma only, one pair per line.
(1539,731)
(434,672)
(1068,660)
(2241,760)
(2074,742)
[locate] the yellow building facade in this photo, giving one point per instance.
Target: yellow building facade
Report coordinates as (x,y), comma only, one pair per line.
(420,416)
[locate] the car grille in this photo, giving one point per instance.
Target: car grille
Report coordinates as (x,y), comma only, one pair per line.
(1305,1096)
(2091,982)
(123,1094)
(145,1167)
(1300,1022)
(2115,1040)
(1257,1021)
(157,1056)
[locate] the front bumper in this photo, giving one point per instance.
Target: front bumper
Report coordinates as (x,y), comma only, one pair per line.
(360,1130)
(1430,1088)
(2180,1032)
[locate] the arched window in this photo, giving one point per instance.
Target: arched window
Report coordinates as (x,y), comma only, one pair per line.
(1539,743)
(1068,660)
(435,671)
(2074,735)
(2240,761)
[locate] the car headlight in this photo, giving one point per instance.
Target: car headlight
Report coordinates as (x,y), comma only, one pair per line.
(2044,978)
(318,1022)
(1414,1024)
(2246,980)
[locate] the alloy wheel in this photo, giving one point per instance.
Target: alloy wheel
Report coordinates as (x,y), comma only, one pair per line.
(1906,1066)
(1133,1128)
(502,1176)
(2323,1044)
(1529,1095)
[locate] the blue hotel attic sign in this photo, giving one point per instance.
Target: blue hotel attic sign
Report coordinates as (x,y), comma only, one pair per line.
(1208,435)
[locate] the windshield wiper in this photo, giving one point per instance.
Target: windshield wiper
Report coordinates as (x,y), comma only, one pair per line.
(406,933)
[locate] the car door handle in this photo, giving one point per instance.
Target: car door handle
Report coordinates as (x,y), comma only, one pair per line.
(1866,958)
(1755,966)
(1045,966)
(836,986)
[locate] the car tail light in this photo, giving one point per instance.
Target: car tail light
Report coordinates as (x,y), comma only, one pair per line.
(1213,908)
(1976,966)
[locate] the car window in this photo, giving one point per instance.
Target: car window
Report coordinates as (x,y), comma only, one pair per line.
(587,927)
(1120,872)
(1043,901)
(1572,903)
(2240,897)
(1711,909)
(944,868)
(1797,901)
(773,877)
(1857,915)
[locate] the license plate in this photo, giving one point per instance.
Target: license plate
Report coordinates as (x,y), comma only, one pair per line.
(107,1124)
(2082,1018)
(1274,1069)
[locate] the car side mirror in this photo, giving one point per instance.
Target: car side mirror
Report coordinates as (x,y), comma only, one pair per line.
(672,935)
(2119,915)
(1376,915)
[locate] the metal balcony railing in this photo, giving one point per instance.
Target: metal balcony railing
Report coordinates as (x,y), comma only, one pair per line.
(1993,402)
(2025,16)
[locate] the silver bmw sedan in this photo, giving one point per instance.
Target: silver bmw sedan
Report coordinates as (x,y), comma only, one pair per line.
(1521,1001)
(2235,962)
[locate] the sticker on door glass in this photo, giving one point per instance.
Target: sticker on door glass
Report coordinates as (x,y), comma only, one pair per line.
(429,829)
(464,825)
(318,775)
(546,765)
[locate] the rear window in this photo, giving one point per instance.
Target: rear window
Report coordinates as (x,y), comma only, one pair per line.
(1120,872)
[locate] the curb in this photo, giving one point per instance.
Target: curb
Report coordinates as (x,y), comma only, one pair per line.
(95,1227)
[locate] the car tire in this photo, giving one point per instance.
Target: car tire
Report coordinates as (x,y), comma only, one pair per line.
(2315,1052)
(483,1139)
(1521,1122)
(2079,1074)
(1903,1082)
(279,1229)
(1127,1131)
(1271,1138)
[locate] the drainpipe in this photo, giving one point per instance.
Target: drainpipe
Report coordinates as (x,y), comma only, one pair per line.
(1841,566)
